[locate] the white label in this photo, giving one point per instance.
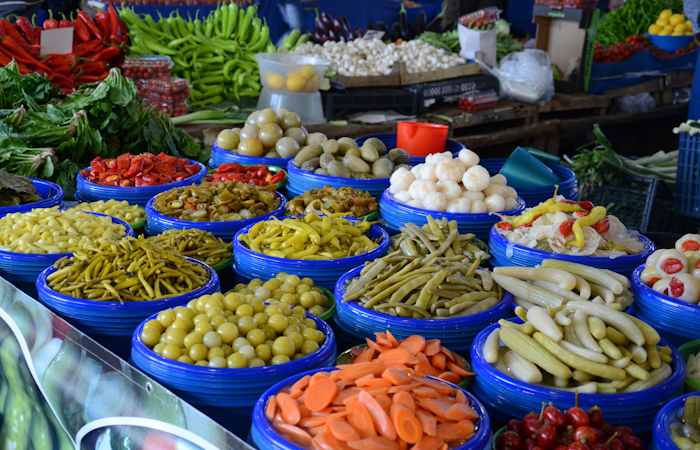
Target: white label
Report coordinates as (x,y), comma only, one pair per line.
(373,34)
(58,41)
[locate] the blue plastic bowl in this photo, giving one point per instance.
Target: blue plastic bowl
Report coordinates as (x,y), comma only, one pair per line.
(266,437)
(224,387)
(456,334)
(676,321)
(508,398)
(51,193)
(157,222)
(25,267)
(663,421)
(670,44)
(397,215)
(91,192)
(250,264)
(220,156)
(506,253)
(114,318)
(533,196)
(389,139)
(301,181)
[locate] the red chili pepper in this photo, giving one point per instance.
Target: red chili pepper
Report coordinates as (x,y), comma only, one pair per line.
(4,60)
(690,246)
(566,228)
(676,287)
(602,226)
(81,30)
(190,205)
(62,80)
(107,54)
(83,48)
(93,78)
(94,29)
(588,206)
(12,32)
(50,24)
(135,169)
(37,33)
(59,60)
(114,25)
(102,21)
(671,266)
(124,31)
(504,226)
(25,27)
(62,69)
(90,68)
(64,22)
(21,54)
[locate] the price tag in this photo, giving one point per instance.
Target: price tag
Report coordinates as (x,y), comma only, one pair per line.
(58,41)
(373,34)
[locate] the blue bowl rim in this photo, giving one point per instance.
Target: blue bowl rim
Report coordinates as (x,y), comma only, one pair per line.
(668,412)
(280,162)
(48,202)
(478,442)
(294,171)
(648,293)
(389,136)
(426,324)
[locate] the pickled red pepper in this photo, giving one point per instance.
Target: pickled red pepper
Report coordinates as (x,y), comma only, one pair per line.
(140,170)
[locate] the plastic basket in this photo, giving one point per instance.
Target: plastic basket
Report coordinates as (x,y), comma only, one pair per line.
(687,199)
(26,267)
(432,91)
(663,420)
(273,169)
(676,321)
(117,319)
(533,196)
(340,104)
(91,192)
(346,358)
(301,181)
(157,222)
(51,193)
(397,215)
(220,156)
(266,438)
(325,273)
(389,139)
(690,348)
(456,334)
(508,398)
(224,387)
(506,253)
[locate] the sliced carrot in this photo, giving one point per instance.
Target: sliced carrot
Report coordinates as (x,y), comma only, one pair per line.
(442,388)
(398,356)
(342,395)
(385,342)
(432,347)
(366,356)
(361,420)
(315,430)
(355,371)
(384,401)
(459,411)
(444,447)
(407,425)
(374,443)
(390,337)
(352,398)
(413,344)
(403,388)
(402,444)
(338,408)
(460,397)
(429,443)
(300,399)
(406,400)
(342,384)
(320,394)
(455,431)
(357,351)
(423,365)
(326,441)
(318,376)
(374,391)
(322,412)
(271,408)
(425,391)
(379,416)
(373,382)
(334,376)
(289,408)
(428,422)
(296,394)
(460,361)
(369,376)
(380,335)
(448,354)
(316,421)
(439,360)
(431,405)
(301,384)
(380,348)
(458,370)
(396,376)
(296,434)
(450,377)
(278,418)
(342,431)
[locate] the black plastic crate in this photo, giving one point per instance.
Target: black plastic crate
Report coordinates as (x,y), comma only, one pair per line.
(431,92)
(339,104)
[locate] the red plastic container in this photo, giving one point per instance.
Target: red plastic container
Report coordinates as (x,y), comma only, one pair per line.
(173,109)
(143,67)
(478,101)
(481,17)
(421,139)
(580,4)
(555,3)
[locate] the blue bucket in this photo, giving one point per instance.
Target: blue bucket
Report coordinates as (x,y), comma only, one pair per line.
(116,319)
(51,193)
(389,139)
(533,196)
(663,421)
(397,215)
(220,156)
(456,334)
(300,181)
(508,398)
(26,267)
(676,321)
(224,387)
(506,253)
(265,437)
(91,192)
(325,273)
(157,222)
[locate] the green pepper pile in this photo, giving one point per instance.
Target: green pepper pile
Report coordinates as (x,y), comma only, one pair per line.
(216,55)
(632,19)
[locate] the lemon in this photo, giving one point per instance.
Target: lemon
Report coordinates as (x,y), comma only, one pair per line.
(665,14)
(676,19)
(311,84)
(678,33)
(662,22)
(308,72)
(688,24)
(294,73)
(275,80)
(665,33)
(295,83)
(680,28)
(654,29)
(688,33)
(668,28)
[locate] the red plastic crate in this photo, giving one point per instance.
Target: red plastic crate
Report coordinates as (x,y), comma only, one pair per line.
(478,101)
(166,89)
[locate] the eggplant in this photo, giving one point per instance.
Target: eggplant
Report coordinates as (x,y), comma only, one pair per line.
(319,38)
(436,23)
(403,24)
(369,26)
(327,20)
(396,31)
(345,23)
(382,27)
(321,26)
(449,26)
(333,36)
(339,29)
(358,32)
(419,25)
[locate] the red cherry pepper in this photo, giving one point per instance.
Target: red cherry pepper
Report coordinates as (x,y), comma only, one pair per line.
(676,287)
(81,30)
(690,246)
(566,227)
(588,206)
(504,226)
(602,226)
(50,24)
(577,417)
(671,266)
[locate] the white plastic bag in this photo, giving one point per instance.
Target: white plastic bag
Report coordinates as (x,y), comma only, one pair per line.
(525,76)
(635,103)
(473,41)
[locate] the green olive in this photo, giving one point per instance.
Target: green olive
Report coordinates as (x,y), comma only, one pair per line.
(309,347)
(239,343)
(192,339)
(219,361)
(279,359)
(199,352)
(260,318)
(175,336)
(296,339)
(256,337)
(256,362)
(236,361)
(216,352)
(245,324)
(233,301)
(150,336)
(158,349)
(278,322)
(166,318)
(244,310)
(263,352)
(185,359)
(171,351)
(283,346)
(203,328)
(154,323)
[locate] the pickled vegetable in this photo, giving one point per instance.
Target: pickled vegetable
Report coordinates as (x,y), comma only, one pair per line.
(289,290)
(121,210)
(196,244)
(346,200)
